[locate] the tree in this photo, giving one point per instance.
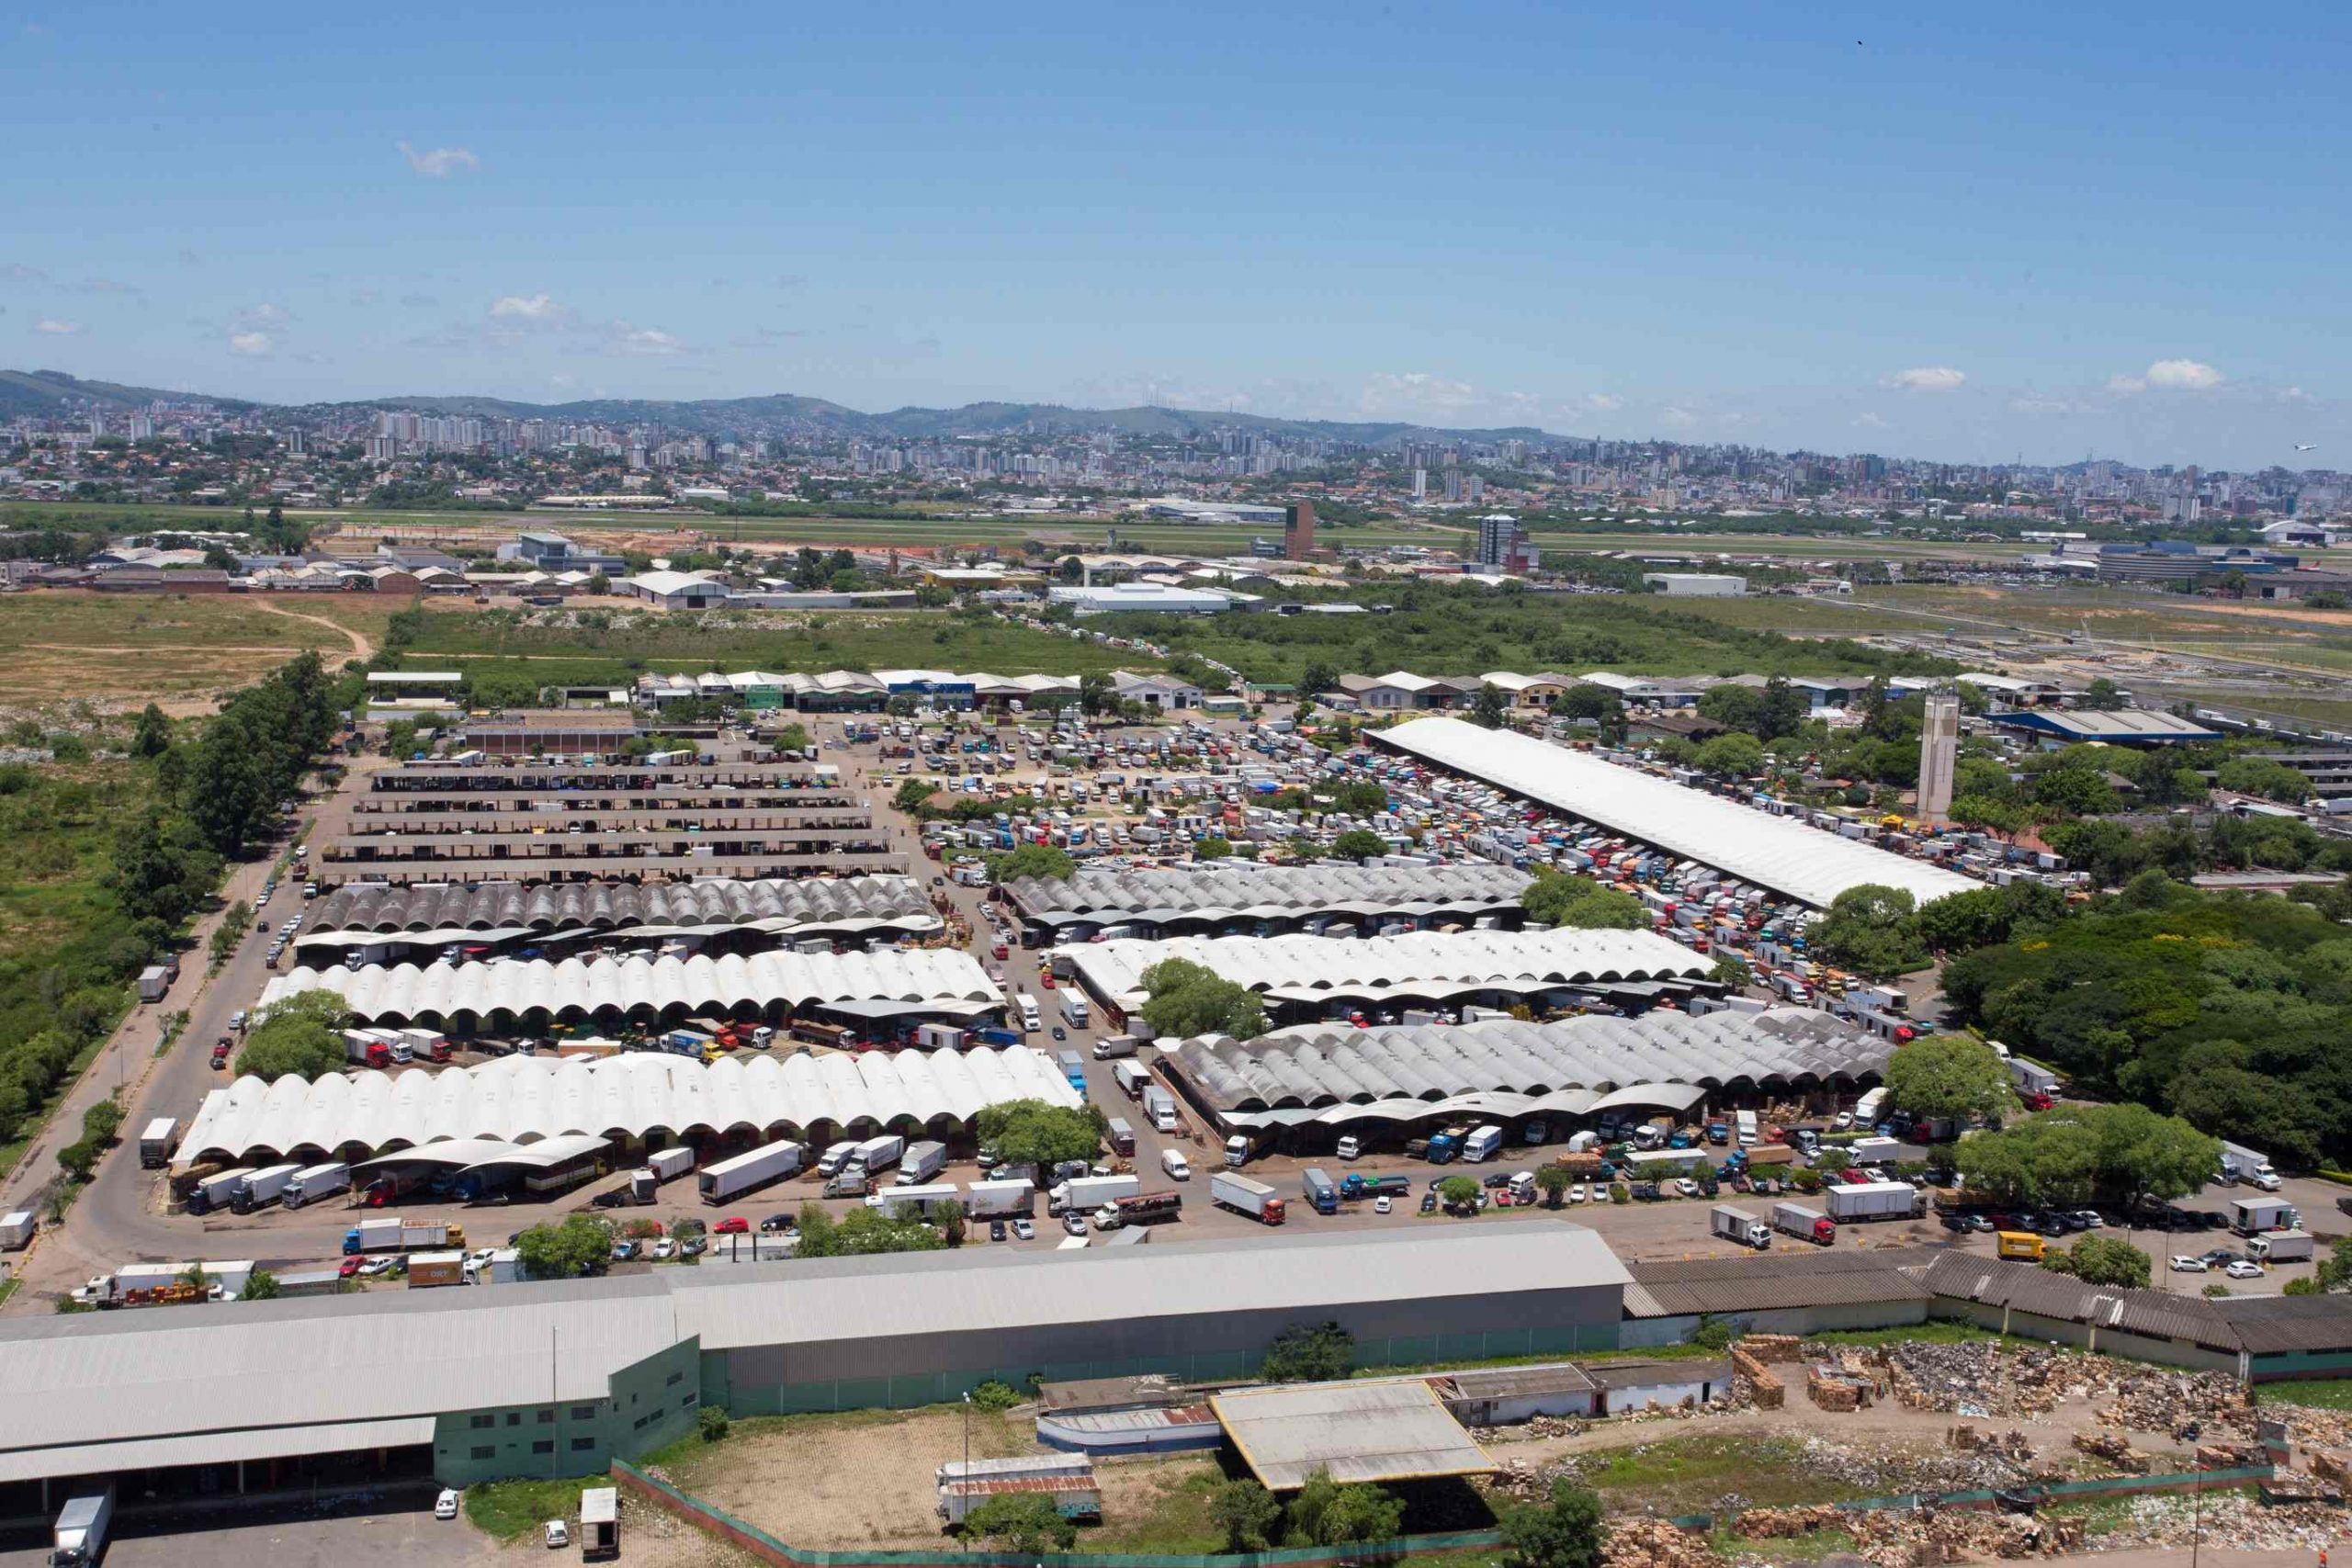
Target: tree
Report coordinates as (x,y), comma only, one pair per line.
(2262,777)
(1732,755)
(1949,1076)
(1317,679)
(1308,1353)
(1360,797)
(911,794)
(152,735)
(1186,1000)
(302,1036)
(949,1217)
(1490,707)
(582,1244)
(1553,1181)
(261,1285)
(2102,696)
(1585,700)
(1458,1192)
(1247,1514)
(1563,1533)
(863,1233)
(2107,1260)
(1359,844)
(1214,846)
(1026,1522)
(1559,898)
(1029,1132)
(1031,860)
(1871,929)
(1325,1513)
(162,867)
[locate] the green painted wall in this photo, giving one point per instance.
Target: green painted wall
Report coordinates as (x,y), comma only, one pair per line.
(650,1404)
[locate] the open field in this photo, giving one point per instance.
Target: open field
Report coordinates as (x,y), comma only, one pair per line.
(1790,547)
(177,649)
(569,647)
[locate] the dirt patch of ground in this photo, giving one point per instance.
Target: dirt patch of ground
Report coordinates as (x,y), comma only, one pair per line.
(868,1478)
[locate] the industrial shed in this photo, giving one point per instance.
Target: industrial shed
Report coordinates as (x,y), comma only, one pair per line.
(1200,899)
(1370,1079)
(438,912)
(1377,1431)
(640,1097)
(2119,726)
(1308,975)
(1786,856)
(533,994)
(1801,1291)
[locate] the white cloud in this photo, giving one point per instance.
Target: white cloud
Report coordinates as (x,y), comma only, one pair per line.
(1603,402)
(1417,394)
(1870,422)
(53,327)
(252,346)
(2169,376)
(265,315)
(645,341)
(1681,418)
(440,163)
(529,308)
(1925,378)
(2030,404)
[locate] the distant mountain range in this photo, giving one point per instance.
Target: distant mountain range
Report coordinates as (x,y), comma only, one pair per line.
(52,393)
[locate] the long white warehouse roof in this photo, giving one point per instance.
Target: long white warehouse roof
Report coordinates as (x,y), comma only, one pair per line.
(715,904)
(1212,893)
(1315,1066)
(1773,852)
(574,987)
(1418,963)
(524,1100)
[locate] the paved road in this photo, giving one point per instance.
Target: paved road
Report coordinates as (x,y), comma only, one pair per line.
(390,1533)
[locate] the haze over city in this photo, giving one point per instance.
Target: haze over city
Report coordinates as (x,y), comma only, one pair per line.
(1967,238)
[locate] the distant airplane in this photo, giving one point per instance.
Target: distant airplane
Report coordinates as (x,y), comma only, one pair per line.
(2306,445)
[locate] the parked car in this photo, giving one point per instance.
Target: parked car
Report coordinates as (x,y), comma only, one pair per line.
(733,1224)
(2089,1219)
(1024,1231)
(1429,1203)
(2184,1264)
(557,1533)
(769,1224)
(1074,1222)
(445,1507)
(2242,1270)
(1381,1204)
(996,1230)
(1687,1187)
(1577,1193)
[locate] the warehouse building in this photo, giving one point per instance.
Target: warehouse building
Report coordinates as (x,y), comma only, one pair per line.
(748,916)
(2119,726)
(1777,852)
(1306,978)
(649,1099)
(536,995)
(1259,901)
(1312,1084)
(470,1386)
(1801,1291)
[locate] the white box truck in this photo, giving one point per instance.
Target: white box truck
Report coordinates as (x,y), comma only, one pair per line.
(1115,1047)
(1240,1194)
(1161,1107)
(1085,1192)
(939,1037)
(999,1199)
(914,1202)
(1745,1121)
(668,1165)
(263,1186)
(17,1228)
(876,1155)
(1732,1222)
(1804,1223)
(836,1156)
(213,1191)
(1853,1202)
(2253,1216)
(2242,1163)
(2281,1246)
(1483,1143)
(920,1163)
(1024,1007)
(1074,1009)
(81,1532)
(754,1168)
(158,1142)
(313,1182)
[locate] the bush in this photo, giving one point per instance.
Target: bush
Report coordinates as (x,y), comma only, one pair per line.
(995,1396)
(1022,1522)
(1305,1354)
(1713,1333)
(712,1423)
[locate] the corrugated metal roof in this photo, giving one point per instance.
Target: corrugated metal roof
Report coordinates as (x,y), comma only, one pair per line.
(1506,1383)
(838,1300)
(213,1447)
(2274,1325)
(1767,1282)
(830,902)
(1245,888)
(1390,1430)
(1772,851)
(1420,964)
(1645,1374)
(2024,1287)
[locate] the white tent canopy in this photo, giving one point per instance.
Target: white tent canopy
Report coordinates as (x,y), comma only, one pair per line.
(1772,851)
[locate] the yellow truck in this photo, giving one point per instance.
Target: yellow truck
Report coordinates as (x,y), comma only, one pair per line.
(2021,1246)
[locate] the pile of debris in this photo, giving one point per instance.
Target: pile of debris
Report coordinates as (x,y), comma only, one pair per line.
(1754,1384)
(1773,1348)
(2114,1449)
(1898,1538)
(2011,1445)
(1653,1543)
(2173,1403)
(1986,1377)
(1834,1389)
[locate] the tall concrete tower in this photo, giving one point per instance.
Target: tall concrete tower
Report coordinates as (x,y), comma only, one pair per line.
(1938,750)
(1298,532)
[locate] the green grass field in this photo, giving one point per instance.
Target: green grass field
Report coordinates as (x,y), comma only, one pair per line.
(134,648)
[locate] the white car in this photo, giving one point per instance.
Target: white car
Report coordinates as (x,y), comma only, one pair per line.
(558,1534)
(1577,1193)
(1873,1173)
(664,1249)
(1174,1162)
(1843,1119)
(1024,1231)
(1687,1187)
(2184,1264)
(445,1507)
(2088,1219)
(2243,1270)
(1381,1204)
(380,1266)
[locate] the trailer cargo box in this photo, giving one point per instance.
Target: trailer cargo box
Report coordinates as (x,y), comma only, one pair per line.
(746,1172)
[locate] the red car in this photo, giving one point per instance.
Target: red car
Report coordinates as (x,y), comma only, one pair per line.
(347,1268)
(733,1224)
(220,1055)
(1852,1176)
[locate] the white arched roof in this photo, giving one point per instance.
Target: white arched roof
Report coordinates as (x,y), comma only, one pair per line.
(526,1100)
(1418,963)
(516,986)
(1771,852)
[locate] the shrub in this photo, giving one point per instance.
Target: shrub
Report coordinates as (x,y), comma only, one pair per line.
(995,1396)
(711,1421)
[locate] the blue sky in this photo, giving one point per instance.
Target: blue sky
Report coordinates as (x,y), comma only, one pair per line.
(1997,229)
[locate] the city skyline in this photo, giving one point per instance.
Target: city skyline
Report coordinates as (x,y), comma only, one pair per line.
(1838,231)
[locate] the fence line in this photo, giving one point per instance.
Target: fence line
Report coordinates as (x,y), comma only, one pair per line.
(2047,1492)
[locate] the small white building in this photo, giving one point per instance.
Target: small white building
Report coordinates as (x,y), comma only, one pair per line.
(675,589)
(1695,584)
